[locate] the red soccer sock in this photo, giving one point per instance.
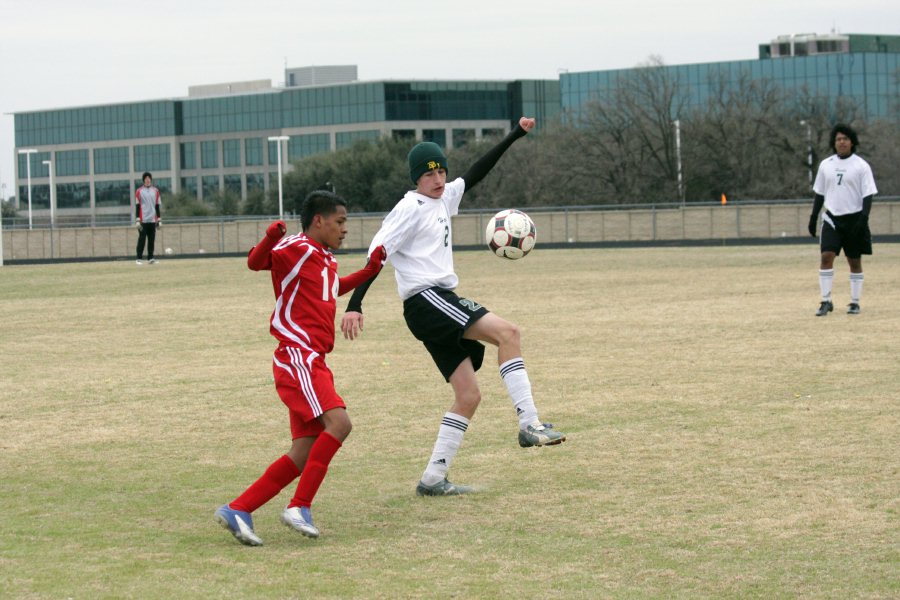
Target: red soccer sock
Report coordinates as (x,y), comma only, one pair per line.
(320,455)
(277,476)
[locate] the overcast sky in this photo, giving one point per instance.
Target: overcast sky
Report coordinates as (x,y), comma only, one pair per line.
(65,53)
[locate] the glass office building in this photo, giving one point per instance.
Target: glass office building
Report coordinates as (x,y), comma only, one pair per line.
(862,69)
(203,145)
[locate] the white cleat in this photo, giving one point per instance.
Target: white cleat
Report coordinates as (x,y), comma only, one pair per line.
(300,519)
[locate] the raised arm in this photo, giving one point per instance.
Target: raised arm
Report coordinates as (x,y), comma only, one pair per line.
(483,165)
(260,256)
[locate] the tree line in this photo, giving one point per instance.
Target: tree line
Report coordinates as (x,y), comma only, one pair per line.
(750,140)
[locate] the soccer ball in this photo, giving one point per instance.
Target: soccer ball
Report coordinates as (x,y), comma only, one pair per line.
(510,234)
(168,251)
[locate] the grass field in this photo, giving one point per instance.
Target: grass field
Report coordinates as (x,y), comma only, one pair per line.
(723,442)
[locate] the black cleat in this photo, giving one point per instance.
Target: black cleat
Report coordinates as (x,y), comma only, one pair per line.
(824,308)
(853,308)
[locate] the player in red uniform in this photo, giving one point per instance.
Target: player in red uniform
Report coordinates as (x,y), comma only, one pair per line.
(304,275)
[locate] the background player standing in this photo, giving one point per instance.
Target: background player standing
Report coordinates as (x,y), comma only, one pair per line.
(304,276)
(845,186)
(418,239)
(147,215)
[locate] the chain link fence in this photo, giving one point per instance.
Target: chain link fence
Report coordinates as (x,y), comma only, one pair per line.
(556,226)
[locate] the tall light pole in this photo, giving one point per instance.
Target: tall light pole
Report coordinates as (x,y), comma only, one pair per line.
(2,200)
(809,150)
(677,124)
(28,152)
(52,203)
(279,139)
(52,193)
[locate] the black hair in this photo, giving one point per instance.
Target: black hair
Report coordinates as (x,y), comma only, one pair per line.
(849,132)
(319,202)
(146,175)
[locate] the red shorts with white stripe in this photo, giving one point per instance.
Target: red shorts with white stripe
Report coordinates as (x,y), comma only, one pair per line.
(306,386)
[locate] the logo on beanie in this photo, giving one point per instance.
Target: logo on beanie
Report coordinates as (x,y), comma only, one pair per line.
(433,164)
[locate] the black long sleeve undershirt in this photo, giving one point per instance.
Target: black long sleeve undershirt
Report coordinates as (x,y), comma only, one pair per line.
(818,202)
(483,165)
(472,176)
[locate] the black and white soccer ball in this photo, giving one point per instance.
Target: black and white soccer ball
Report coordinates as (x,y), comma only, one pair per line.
(510,234)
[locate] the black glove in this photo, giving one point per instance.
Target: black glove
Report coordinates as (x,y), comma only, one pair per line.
(813,221)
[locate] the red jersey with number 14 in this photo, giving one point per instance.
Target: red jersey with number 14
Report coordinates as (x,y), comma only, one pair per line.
(304,275)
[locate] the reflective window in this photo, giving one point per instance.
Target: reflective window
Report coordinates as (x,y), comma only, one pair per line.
(73,195)
(209,155)
(253,152)
(189,155)
(40,197)
(189,186)
(210,185)
(273,152)
(98,123)
(461,137)
(232,183)
(231,153)
(345,139)
(438,136)
(153,157)
(255,181)
(35,163)
(111,160)
(72,162)
(305,145)
(113,193)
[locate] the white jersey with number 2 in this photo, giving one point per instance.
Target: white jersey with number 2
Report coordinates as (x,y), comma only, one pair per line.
(418,237)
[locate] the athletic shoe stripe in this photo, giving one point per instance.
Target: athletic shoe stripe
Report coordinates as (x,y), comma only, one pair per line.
(445,307)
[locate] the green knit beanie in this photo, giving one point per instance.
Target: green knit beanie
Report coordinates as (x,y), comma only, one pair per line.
(424,157)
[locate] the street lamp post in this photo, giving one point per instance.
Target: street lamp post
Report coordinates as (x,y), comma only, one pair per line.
(279,139)
(52,203)
(2,200)
(28,152)
(809,150)
(677,124)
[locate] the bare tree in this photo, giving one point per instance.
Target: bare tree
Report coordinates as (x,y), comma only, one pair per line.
(626,140)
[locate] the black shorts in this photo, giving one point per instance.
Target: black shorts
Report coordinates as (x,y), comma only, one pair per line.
(438,318)
(843,235)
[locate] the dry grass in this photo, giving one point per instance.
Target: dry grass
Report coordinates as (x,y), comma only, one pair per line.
(723,441)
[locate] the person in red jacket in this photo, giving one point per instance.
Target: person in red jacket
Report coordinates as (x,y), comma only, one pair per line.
(306,284)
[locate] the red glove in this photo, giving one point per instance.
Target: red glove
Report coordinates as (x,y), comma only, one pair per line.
(276,230)
(377,259)
(260,256)
(370,271)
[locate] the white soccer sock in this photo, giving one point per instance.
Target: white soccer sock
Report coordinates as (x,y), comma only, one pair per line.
(856,284)
(449,438)
(826,278)
(519,388)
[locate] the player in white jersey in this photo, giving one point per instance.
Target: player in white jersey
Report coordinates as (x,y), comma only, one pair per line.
(845,187)
(147,214)
(417,235)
